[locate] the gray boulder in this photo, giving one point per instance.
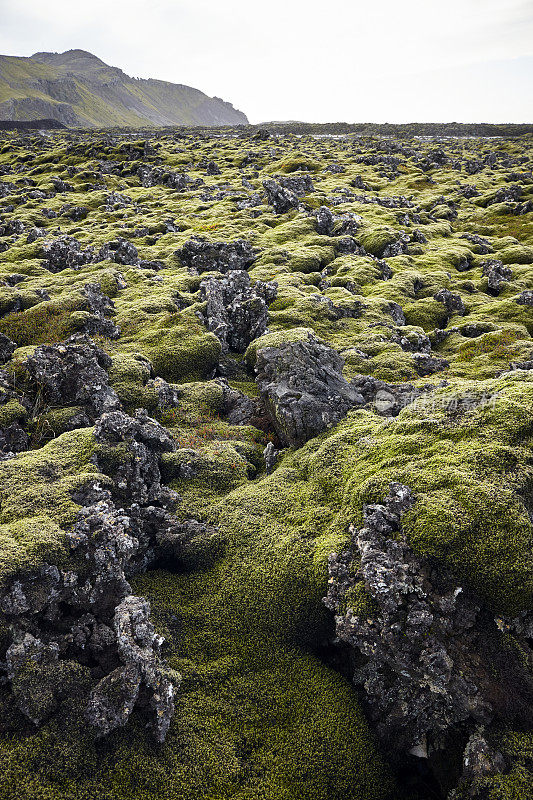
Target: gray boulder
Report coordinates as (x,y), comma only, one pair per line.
(303,388)
(236,312)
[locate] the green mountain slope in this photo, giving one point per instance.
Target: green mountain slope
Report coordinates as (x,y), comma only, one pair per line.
(79,89)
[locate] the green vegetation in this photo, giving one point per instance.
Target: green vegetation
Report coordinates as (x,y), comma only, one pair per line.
(261,713)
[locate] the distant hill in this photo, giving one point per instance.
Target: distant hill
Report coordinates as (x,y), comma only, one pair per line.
(78,89)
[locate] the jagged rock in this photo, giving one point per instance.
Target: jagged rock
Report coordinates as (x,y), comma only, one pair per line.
(34,234)
(387,399)
(418,236)
(481,245)
(299,184)
(507,194)
(113,699)
(496,274)
(428,365)
(398,247)
(101,307)
(12,227)
(348,225)
(335,169)
(396,312)
(154,176)
(303,388)
(279,197)
(236,312)
(120,251)
(386,271)
(62,186)
(523,208)
(115,201)
(346,245)
(7,348)
(452,302)
(75,213)
(13,439)
(480,759)
(238,408)
(167,396)
(526,298)
(73,373)
(66,253)
(412,341)
(202,256)
(141,440)
(432,655)
(330,310)
(324,221)
(270,455)
(212,168)
(138,648)
(468,190)
(14,279)
(58,617)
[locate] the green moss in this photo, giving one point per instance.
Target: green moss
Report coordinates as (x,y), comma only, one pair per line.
(259,717)
(36,499)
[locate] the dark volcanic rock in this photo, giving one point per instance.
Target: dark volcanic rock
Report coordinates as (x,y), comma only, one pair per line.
(101,308)
(428,365)
(299,184)
(114,697)
(202,256)
(154,176)
(432,664)
(279,197)
(303,387)
(497,274)
(385,398)
(236,311)
(73,372)
(85,623)
(324,221)
(140,440)
(120,251)
(526,298)
(66,253)
(452,302)
(7,348)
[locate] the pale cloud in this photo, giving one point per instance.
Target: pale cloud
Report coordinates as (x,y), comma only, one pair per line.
(341,60)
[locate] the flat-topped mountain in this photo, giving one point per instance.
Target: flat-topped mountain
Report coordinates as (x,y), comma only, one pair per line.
(79,89)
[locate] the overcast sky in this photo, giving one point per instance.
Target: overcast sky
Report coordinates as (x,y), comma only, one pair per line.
(349,60)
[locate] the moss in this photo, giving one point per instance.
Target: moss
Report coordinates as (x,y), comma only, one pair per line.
(45,323)
(36,499)
(10,412)
(376,240)
(259,715)
(177,357)
(426,314)
(294,163)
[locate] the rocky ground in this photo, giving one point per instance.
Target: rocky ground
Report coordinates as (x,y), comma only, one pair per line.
(266,466)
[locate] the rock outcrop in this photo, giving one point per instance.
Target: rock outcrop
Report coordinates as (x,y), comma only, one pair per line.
(236,312)
(433,664)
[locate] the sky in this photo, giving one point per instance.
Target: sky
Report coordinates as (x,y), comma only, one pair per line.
(342,60)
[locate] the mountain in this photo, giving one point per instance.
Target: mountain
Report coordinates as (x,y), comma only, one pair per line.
(79,89)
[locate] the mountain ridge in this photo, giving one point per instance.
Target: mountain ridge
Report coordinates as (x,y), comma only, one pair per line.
(80,90)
